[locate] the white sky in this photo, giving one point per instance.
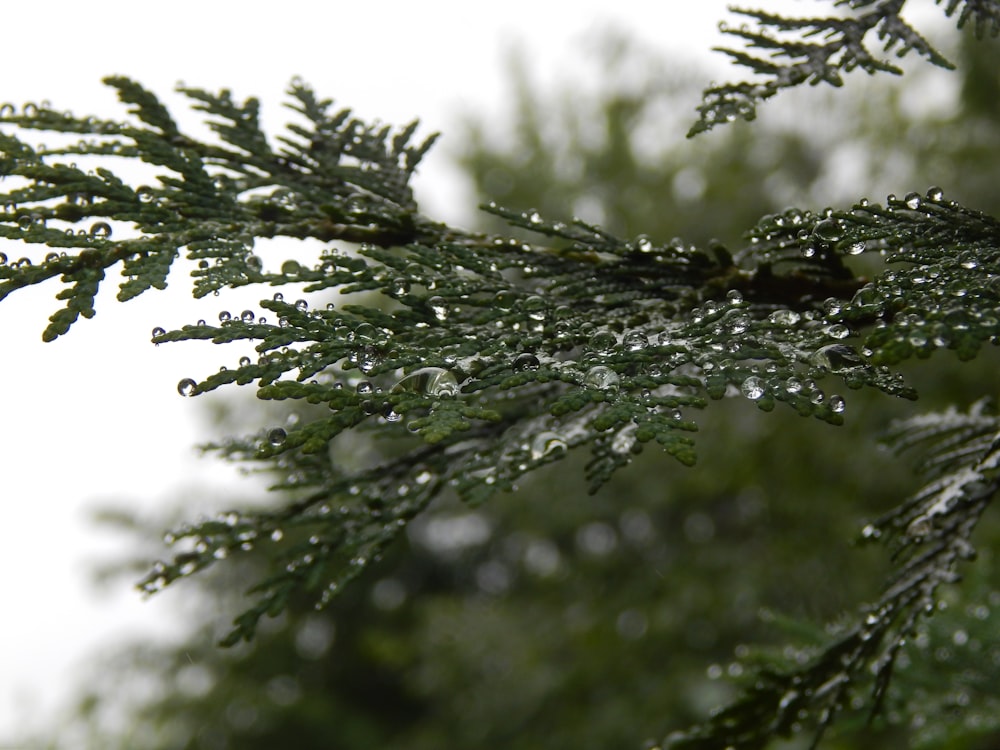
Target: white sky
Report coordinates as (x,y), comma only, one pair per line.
(95,417)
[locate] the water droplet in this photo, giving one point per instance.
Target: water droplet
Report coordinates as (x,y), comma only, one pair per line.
(535,307)
(24,223)
(935,193)
(390,414)
(545,443)
(244,361)
(432,381)
(735,297)
(912,200)
(870,531)
(225,317)
(602,377)
(158,332)
(602,341)
(784,317)
(504,299)
(753,388)
(828,231)
(738,324)
(247,316)
(144,194)
(277,535)
(837,331)
(525,361)
(187,387)
(364,387)
(368,358)
(399,286)
(837,358)
(855,248)
(643,244)
(535,218)
(291,268)
(439,307)
(301,305)
(278,297)
(837,404)
(635,340)
(101,230)
(276,436)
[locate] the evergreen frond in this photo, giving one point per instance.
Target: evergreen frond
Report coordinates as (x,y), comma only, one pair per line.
(793,51)
(930,533)
(485,356)
(473,360)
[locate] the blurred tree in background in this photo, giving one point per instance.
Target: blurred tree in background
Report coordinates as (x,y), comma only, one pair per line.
(534,622)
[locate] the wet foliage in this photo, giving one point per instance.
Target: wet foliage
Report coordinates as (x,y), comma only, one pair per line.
(818,50)
(474,359)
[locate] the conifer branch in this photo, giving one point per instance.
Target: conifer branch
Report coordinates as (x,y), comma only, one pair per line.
(476,359)
(930,533)
(820,49)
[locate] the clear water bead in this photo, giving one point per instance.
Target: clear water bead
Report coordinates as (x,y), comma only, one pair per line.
(276,436)
(545,443)
(836,358)
(784,317)
(828,230)
(635,340)
(504,299)
(439,307)
(525,361)
(225,317)
(602,377)
(101,230)
(535,307)
(935,193)
(187,387)
(432,381)
(602,341)
(247,316)
(158,332)
(837,404)
(753,388)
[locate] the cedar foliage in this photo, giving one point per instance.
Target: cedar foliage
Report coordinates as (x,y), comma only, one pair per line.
(477,358)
